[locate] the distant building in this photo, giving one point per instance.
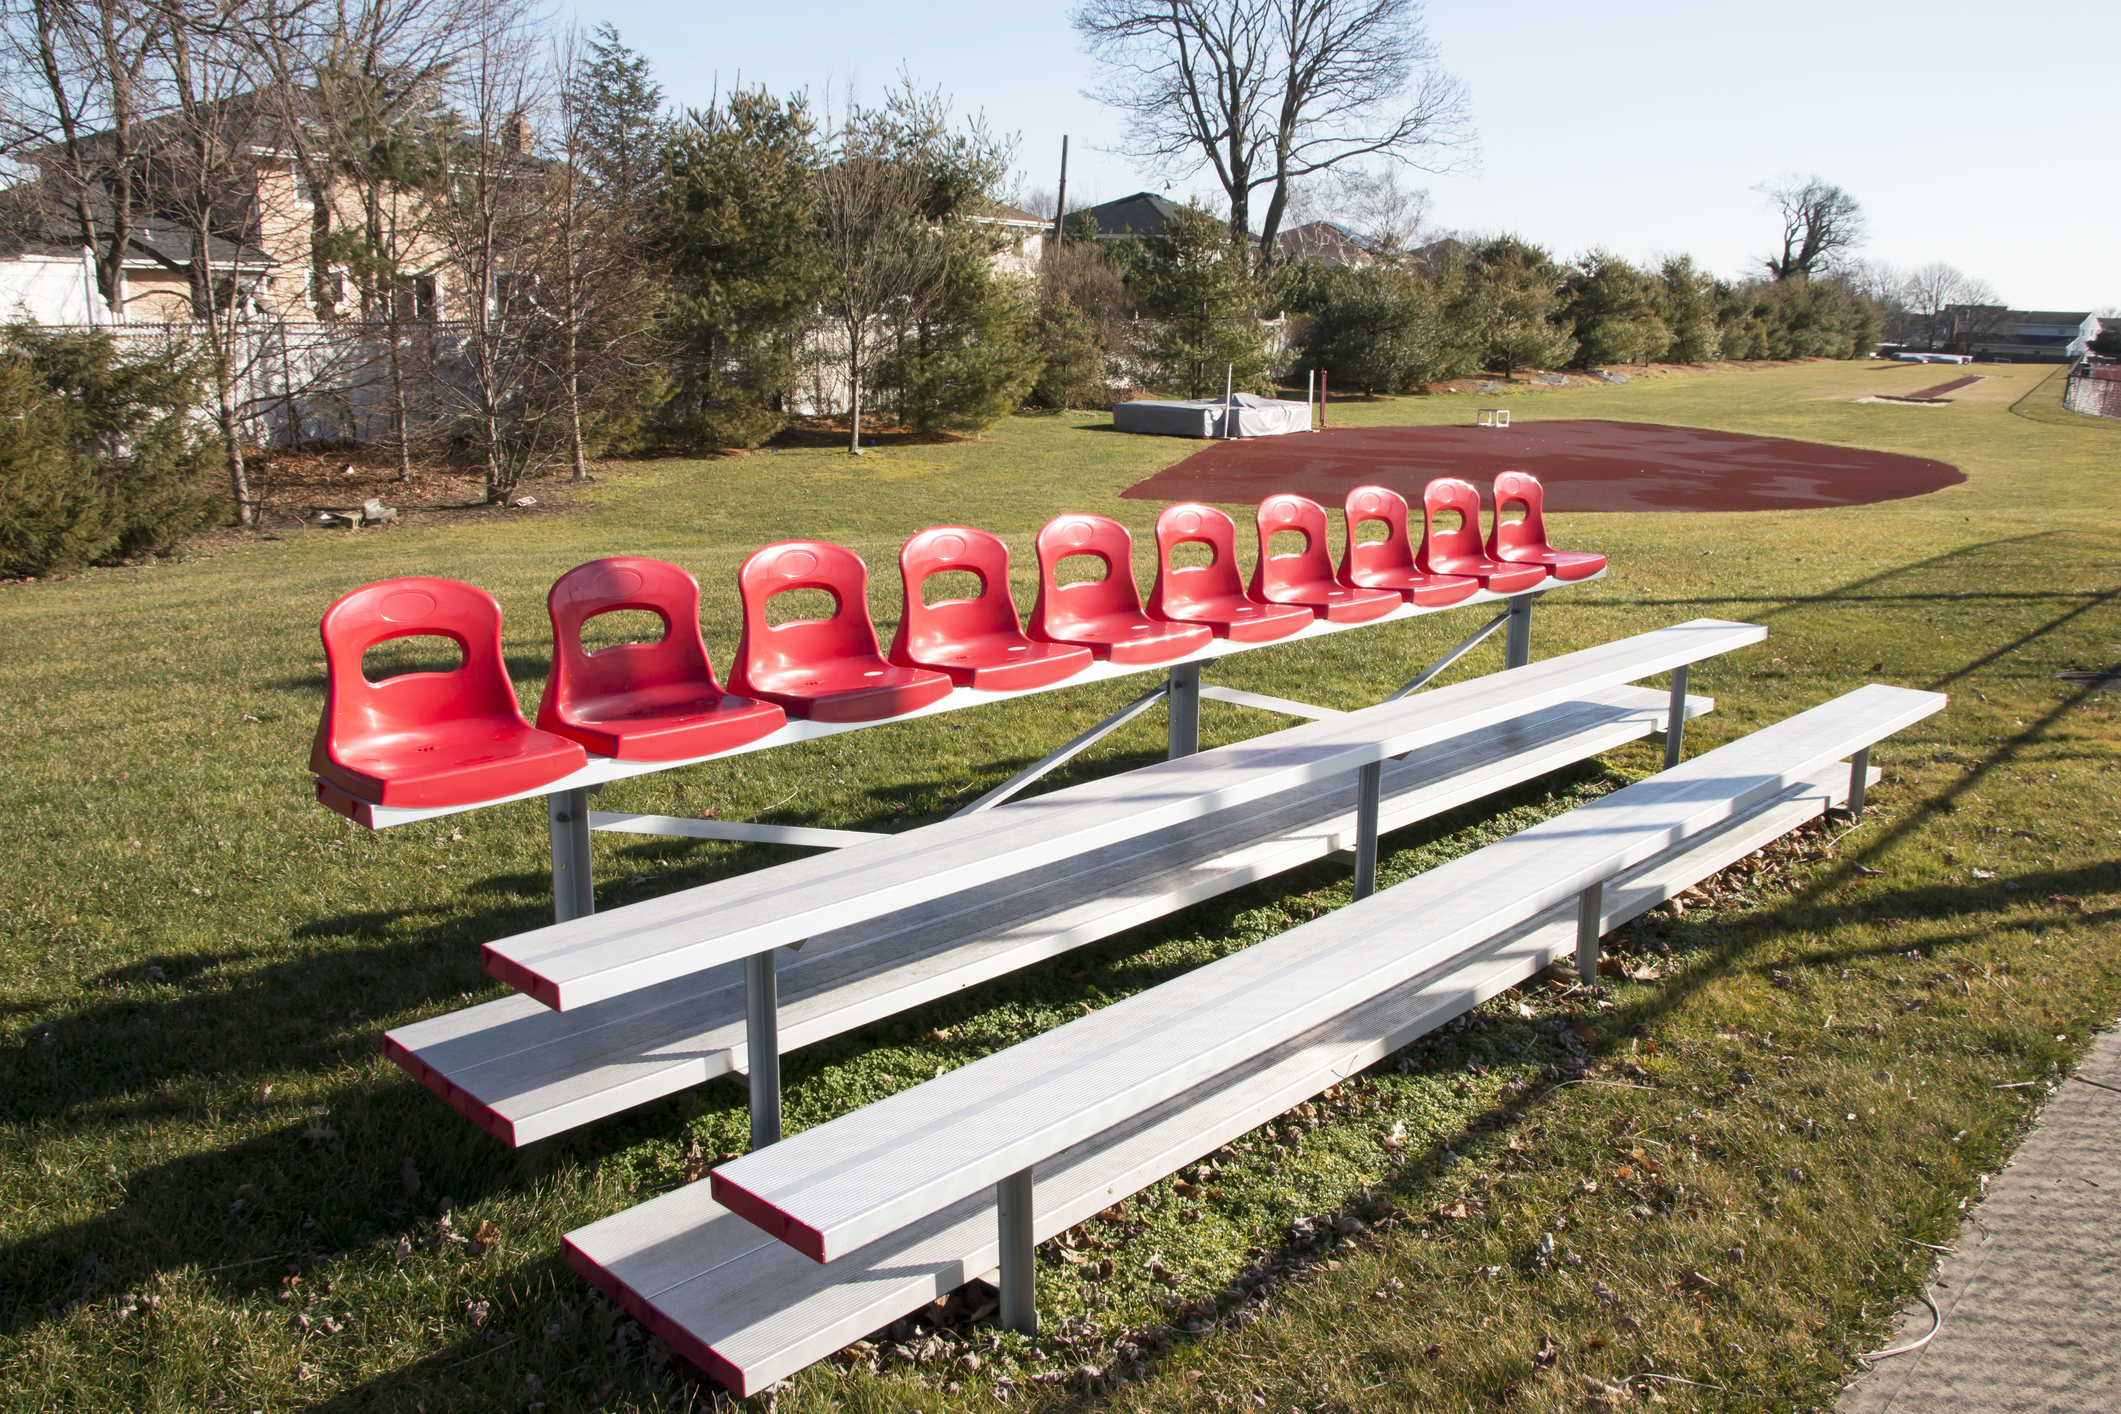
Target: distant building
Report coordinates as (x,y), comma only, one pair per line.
(2018,335)
(1027,232)
(1323,243)
(1142,214)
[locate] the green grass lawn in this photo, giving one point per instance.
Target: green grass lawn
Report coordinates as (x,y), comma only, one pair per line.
(219,1195)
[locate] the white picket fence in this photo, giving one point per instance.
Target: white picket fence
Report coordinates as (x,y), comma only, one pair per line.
(325,382)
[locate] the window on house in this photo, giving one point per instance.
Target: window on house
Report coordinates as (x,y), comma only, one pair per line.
(416,297)
(514,294)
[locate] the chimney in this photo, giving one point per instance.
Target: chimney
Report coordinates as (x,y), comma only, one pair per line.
(515,138)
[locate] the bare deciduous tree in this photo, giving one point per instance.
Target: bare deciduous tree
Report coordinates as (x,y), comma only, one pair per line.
(1819,222)
(79,80)
(493,223)
(1929,293)
(883,250)
(1269,92)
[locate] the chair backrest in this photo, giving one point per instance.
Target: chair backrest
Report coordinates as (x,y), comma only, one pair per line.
(606,586)
(1394,553)
(926,629)
(1181,586)
(1443,549)
(1082,534)
(1306,566)
(803,564)
(1528,534)
(376,613)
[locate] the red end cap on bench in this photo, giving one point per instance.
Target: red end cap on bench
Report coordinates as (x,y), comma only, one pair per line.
(767,1218)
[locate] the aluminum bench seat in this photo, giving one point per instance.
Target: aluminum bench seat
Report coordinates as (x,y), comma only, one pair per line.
(523,1072)
(589,959)
(749,1310)
(848,1182)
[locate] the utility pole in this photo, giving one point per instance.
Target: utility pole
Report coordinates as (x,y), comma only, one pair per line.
(1060,203)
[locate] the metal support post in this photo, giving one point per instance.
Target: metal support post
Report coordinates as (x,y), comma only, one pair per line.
(1369,782)
(1859,781)
(762,1047)
(573,881)
(1012,1209)
(1184,692)
(1590,913)
(1675,718)
(1518,650)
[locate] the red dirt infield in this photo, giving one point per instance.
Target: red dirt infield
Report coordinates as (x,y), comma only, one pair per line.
(1584,465)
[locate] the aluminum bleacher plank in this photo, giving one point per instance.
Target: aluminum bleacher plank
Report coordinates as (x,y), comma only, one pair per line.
(607,954)
(848,1182)
(524,1072)
(750,1310)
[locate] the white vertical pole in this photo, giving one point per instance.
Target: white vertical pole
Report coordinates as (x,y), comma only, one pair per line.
(1310,387)
(1012,1211)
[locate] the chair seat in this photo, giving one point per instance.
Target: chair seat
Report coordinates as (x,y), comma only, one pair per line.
(1429,591)
(1336,602)
(459,762)
(1565,564)
(1499,578)
(851,689)
(1241,620)
(1007,662)
(670,723)
(1130,638)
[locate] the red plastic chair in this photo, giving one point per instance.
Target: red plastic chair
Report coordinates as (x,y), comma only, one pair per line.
(1212,594)
(827,670)
(1524,542)
(641,701)
(427,739)
(1389,563)
(1306,577)
(978,642)
(1459,551)
(1104,616)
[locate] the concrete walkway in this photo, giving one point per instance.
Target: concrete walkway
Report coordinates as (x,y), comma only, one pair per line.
(2032,1300)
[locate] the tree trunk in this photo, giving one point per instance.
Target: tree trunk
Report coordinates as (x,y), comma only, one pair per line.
(400,418)
(854,389)
(231,436)
(574,415)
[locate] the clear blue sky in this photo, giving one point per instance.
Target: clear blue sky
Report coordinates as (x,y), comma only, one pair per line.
(1631,124)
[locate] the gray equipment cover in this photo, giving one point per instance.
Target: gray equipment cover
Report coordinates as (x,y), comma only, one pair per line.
(1249,416)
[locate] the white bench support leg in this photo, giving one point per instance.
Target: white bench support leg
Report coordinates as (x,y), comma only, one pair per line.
(1675,718)
(1518,650)
(1369,782)
(1590,914)
(762,1047)
(1184,721)
(573,881)
(1012,1210)
(1859,781)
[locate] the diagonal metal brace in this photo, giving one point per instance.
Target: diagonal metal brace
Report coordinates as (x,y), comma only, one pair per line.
(1472,642)
(1267,704)
(1089,738)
